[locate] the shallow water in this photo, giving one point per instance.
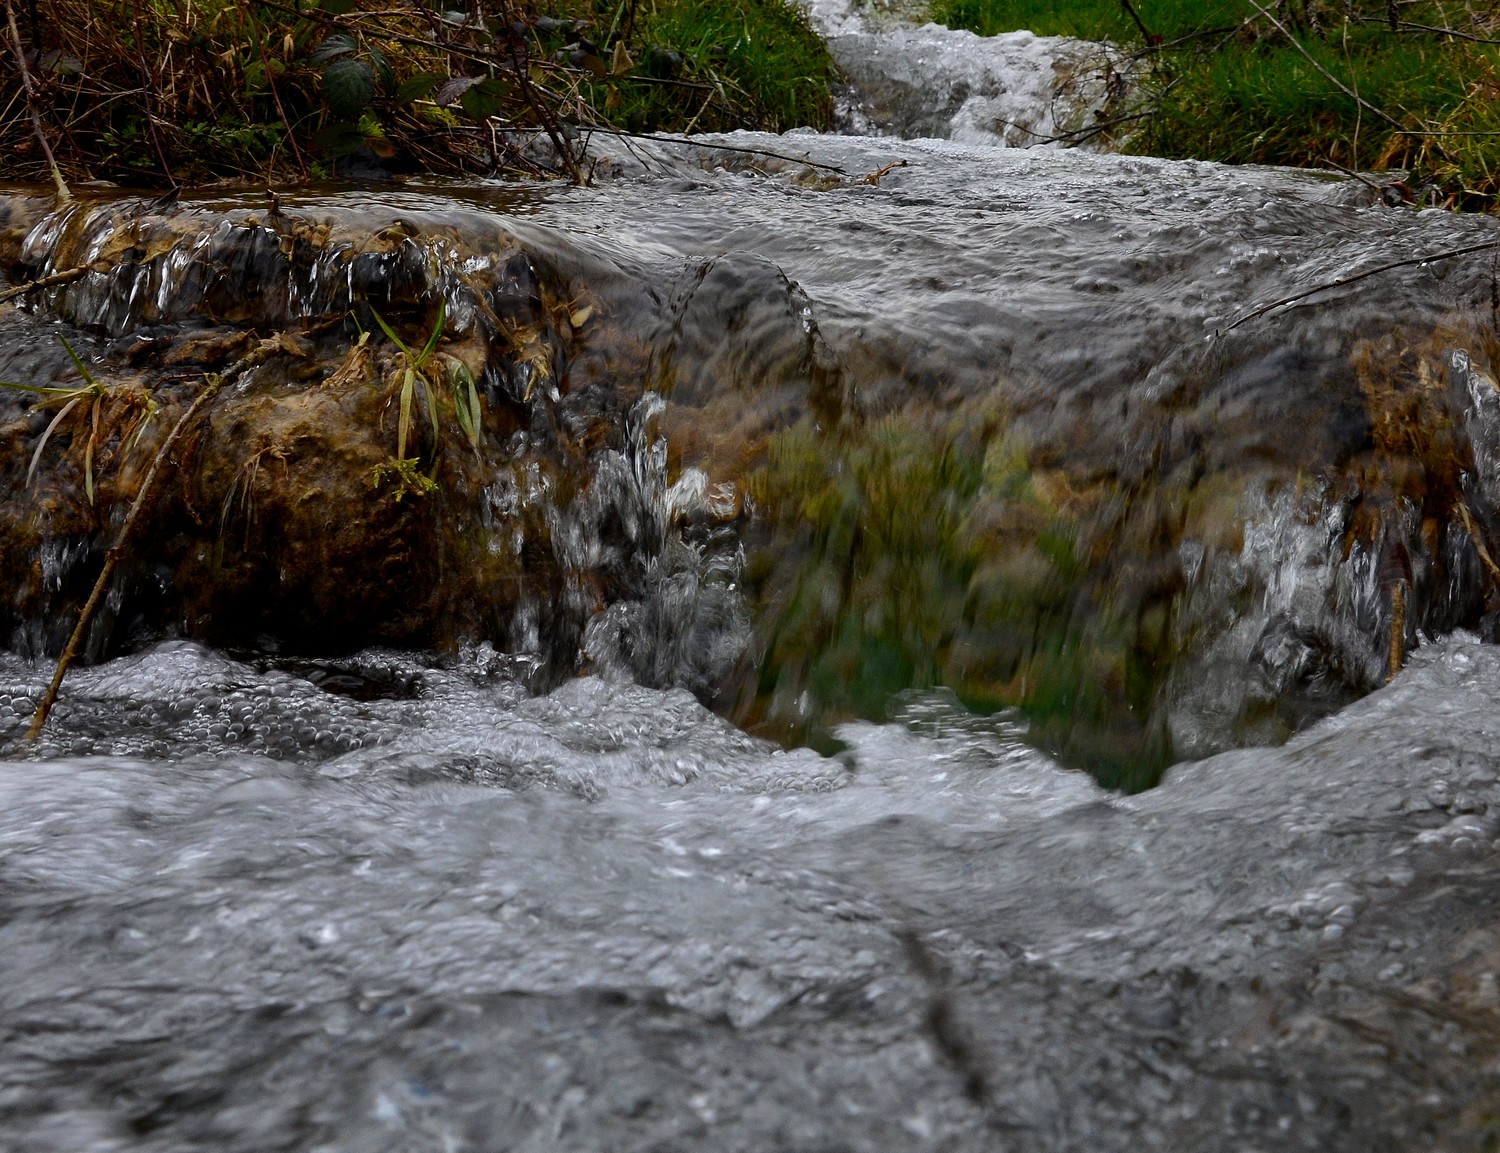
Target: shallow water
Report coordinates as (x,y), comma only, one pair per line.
(1231,498)
(241,911)
(392,902)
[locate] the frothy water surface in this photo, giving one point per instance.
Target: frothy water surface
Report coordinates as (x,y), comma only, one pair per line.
(386,905)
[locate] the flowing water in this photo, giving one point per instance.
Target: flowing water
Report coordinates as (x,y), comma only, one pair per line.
(527,892)
(1015,89)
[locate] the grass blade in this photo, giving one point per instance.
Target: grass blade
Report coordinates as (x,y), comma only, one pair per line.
(436,335)
(390,332)
(40,389)
(476,414)
(461,410)
(430,394)
(41,444)
(403,422)
(88,452)
(83,369)
(145,422)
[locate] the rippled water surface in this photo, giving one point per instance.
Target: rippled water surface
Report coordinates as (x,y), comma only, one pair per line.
(241,908)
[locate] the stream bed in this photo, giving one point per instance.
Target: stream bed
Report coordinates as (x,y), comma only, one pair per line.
(973,463)
(242,909)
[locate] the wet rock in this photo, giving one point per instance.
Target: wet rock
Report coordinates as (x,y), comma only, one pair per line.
(751,423)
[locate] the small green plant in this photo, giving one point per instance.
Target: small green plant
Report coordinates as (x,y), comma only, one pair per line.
(94,394)
(419,376)
(413,372)
(406,474)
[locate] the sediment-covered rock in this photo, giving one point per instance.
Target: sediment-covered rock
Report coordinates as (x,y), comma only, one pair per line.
(797,434)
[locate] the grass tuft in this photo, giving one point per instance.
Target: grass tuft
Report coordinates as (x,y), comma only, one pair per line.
(1358,84)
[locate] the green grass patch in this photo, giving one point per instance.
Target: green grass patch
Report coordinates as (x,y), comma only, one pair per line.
(1087,19)
(1363,85)
(709,66)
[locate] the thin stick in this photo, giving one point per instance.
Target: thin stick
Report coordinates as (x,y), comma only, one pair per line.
(1453,32)
(1349,172)
(63,195)
(1488,246)
(1397,654)
(148,85)
(701,143)
(874,177)
(111,558)
(1327,75)
(67,276)
(545,118)
(291,133)
(1484,553)
(1146,34)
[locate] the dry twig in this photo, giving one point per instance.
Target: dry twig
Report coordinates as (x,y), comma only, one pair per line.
(63,194)
(212,385)
(1488,246)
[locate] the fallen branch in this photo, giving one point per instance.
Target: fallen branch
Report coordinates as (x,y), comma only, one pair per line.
(1349,172)
(64,196)
(213,383)
(1488,246)
(707,144)
(886,170)
(67,276)
(1484,553)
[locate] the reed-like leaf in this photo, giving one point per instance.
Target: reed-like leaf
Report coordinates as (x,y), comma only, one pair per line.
(83,370)
(430,394)
(470,415)
(142,424)
(390,332)
(403,421)
(41,444)
(88,452)
(50,390)
(435,335)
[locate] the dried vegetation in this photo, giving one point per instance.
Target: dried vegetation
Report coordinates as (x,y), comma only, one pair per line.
(171,92)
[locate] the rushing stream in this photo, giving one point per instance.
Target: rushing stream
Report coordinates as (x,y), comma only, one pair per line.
(791,437)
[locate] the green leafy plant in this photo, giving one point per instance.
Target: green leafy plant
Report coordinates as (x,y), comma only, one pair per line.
(413,372)
(92,395)
(407,477)
(419,376)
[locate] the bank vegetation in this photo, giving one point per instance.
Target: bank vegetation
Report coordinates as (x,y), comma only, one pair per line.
(1405,87)
(167,93)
